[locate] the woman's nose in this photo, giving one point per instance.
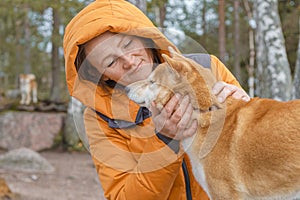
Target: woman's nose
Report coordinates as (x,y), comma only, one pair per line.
(129,60)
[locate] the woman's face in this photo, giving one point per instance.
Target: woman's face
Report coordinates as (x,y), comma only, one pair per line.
(121,58)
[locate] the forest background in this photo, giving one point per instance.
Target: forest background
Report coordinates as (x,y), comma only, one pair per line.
(256,39)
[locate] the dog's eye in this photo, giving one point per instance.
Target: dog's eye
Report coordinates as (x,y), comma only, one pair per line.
(151,82)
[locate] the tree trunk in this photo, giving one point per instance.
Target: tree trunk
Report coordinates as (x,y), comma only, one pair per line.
(162,14)
(160,11)
(27,34)
(18,58)
(55,85)
(296,91)
(222,33)
(204,23)
(250,66)
(273,71)
(237,67)
(141,4)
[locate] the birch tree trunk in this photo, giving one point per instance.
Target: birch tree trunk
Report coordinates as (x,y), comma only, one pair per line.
(273,74)
(296,91)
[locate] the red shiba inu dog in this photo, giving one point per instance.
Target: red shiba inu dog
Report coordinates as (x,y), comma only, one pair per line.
(242,150)
(28,87)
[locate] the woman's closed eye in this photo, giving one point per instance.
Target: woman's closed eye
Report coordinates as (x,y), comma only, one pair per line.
(127,44)
(111,62)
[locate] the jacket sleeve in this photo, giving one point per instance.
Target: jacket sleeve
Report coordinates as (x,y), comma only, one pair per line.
(146,169)
(221,72)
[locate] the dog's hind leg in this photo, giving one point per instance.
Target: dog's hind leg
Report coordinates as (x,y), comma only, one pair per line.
(34,93)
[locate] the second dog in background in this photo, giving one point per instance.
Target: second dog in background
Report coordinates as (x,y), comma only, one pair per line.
(28,87)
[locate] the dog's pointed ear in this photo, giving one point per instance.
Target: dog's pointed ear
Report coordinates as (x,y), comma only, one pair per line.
(173,53)
(173,63)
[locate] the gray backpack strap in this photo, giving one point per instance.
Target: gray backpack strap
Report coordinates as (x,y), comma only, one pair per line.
(201,58)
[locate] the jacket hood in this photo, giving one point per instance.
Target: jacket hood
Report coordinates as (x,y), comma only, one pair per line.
(118,16)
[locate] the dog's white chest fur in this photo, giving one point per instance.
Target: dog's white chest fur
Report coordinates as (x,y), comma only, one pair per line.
(197,167)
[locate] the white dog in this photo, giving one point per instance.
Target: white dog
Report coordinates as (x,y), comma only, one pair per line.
(28,86)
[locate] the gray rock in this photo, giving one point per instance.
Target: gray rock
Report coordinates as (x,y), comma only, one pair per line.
(25,160)
(74,130)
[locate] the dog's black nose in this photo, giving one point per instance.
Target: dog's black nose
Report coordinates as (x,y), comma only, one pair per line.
(127,90)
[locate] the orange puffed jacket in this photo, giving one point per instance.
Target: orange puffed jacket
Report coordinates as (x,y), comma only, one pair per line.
(132,163)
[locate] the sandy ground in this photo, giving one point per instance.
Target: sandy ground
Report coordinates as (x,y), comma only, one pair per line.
(74,178)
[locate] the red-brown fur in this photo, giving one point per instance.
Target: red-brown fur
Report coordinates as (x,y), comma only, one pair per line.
(243,150)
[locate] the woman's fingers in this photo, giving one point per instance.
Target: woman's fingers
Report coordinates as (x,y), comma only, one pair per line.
(190,131)
(223,90)
(170,107)
(175,119)
(180,110)
(161,118)
(186,117)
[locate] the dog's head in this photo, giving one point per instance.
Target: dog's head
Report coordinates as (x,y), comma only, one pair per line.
(176,75)
(158,87)
(26,78)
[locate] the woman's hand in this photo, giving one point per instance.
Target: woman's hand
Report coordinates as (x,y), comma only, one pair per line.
(174,120)
(223,90)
